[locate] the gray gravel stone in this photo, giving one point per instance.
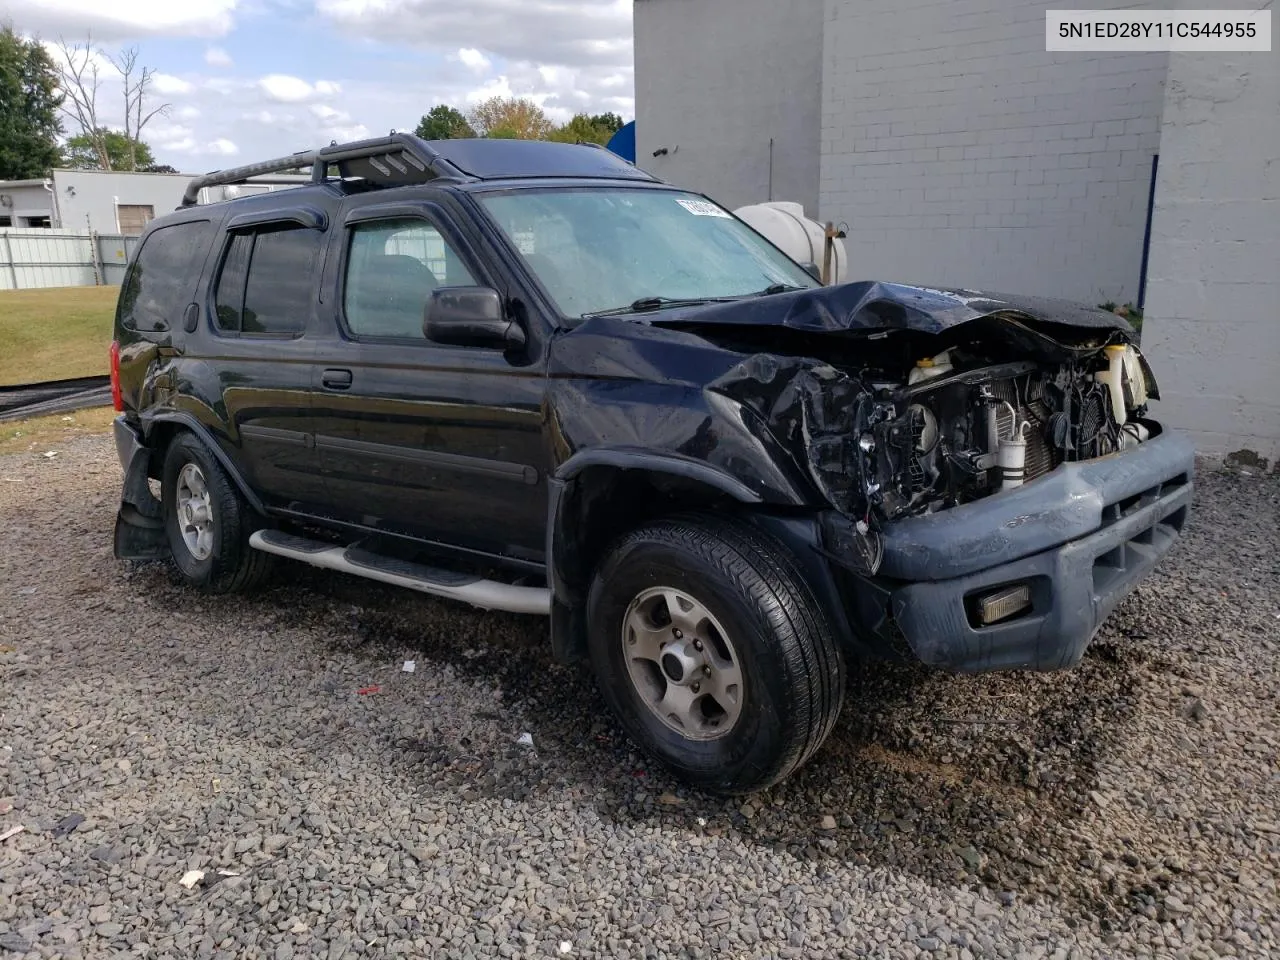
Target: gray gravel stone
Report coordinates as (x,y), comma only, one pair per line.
(199,732)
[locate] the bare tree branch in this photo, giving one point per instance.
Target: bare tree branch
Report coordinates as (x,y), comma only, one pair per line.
(135,97)
(79,81)
(124,65)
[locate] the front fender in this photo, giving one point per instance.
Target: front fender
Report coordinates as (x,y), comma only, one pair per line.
(673,464)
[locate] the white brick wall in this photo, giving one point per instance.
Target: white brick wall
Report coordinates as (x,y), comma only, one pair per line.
(715,79)
(959,152)
(1213,302)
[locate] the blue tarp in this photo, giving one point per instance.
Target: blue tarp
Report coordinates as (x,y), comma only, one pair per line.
(624,142)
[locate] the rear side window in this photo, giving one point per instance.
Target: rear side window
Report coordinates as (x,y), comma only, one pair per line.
(264,286)
(163,275)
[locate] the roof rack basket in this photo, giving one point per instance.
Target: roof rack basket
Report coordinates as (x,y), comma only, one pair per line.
(391,160)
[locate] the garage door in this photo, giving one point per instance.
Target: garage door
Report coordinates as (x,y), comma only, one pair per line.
(134,217)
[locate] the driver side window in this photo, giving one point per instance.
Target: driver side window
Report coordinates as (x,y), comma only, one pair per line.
(392,267)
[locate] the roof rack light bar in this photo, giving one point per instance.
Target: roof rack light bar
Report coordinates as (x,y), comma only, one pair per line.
(394,151)
(219,178)
(388,156)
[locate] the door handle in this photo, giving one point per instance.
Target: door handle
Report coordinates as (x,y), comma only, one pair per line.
(336,379)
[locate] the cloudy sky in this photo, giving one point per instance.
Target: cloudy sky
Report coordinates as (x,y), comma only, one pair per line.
(250,79)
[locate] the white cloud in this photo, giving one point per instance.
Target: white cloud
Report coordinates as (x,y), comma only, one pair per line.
(217,57)
(162,134)
(286,89)
(537,31)
(118,21)
(222,147)
(170,138)
(561,91)
(497,87)
(329,114)
(167,85)
(337,124)
(187,113)
(96,59)
(565,56)
(346,133)
(473,59)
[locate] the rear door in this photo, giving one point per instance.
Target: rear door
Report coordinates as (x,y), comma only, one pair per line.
(441,443)
(159,287)
(260,306)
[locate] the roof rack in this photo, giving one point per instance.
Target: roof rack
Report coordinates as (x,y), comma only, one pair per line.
(388,161)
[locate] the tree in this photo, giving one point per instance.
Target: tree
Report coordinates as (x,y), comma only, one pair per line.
(443,122)
(81,152)
(513,117)
(158,167)
(29,101)
(136,116)
(80,80)
(582,129)
(609,121)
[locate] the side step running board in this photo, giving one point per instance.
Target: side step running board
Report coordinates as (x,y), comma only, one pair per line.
(486,594)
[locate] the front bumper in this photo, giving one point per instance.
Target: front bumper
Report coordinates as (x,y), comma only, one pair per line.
(1082,537)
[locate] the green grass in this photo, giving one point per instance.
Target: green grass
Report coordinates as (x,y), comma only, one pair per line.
(43,433)
(55,334)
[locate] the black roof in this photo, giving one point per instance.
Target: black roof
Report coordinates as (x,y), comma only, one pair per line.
(509,159)
(401,159)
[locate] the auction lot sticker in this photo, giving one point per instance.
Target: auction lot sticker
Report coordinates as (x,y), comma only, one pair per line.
(1111,31)
(701,208)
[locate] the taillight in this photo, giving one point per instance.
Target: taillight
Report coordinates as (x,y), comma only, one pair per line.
(117,398)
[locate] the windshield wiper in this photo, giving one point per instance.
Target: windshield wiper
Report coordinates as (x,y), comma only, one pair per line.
(778,288)
(649,304)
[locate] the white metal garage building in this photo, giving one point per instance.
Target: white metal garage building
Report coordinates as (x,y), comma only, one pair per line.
(959,152)
(78,227)
(97,201)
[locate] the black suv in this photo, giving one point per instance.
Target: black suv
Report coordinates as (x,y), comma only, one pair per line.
(533,378)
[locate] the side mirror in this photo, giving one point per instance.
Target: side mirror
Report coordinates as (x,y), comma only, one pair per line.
(470,317)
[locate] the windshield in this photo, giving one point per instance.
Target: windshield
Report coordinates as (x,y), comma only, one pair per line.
(601,249)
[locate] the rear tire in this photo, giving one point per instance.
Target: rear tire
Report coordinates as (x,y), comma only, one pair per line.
(739,614)
(208,522)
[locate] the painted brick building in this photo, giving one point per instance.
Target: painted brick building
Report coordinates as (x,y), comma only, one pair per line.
(959,152)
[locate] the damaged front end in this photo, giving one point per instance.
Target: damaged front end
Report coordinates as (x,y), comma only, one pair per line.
(924,400)
(962,428)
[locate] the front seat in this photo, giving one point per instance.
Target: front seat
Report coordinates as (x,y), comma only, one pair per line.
(394,293)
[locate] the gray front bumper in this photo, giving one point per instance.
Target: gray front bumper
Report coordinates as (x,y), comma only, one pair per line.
(1082,537)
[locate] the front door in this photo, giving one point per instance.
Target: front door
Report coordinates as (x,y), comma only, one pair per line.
(441,443)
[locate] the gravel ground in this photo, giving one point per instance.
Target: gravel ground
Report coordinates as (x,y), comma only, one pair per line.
(1130,807)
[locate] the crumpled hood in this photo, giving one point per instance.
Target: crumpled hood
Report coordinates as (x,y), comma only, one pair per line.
(873,305)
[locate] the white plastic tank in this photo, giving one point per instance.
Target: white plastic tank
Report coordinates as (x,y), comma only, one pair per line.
(788,229)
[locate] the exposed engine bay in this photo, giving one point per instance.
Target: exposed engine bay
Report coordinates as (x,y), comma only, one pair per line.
(905,401)
(960,429)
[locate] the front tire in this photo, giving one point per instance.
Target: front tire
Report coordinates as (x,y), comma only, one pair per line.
(208,522)
(713,653)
